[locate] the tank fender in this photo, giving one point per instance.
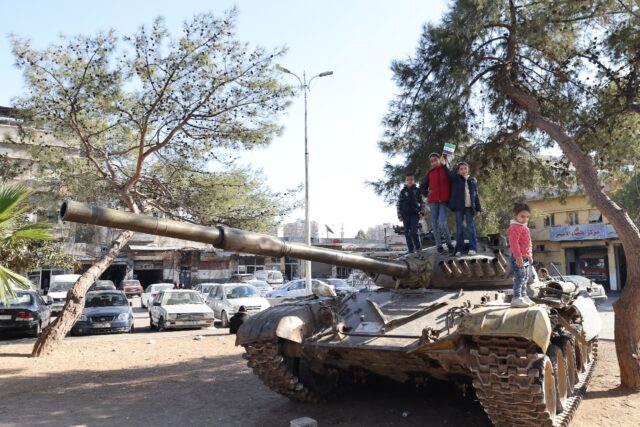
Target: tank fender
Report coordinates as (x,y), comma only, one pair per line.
(530,323)
(291,322)
(591,321)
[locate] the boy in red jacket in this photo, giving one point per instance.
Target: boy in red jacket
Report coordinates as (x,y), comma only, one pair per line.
(436,187)
(520,259)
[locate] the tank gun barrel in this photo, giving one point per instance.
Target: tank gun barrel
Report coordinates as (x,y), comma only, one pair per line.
(227,238)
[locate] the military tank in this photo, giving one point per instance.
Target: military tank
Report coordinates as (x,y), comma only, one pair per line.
(434,316)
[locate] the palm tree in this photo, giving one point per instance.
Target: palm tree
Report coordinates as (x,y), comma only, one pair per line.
(14,229)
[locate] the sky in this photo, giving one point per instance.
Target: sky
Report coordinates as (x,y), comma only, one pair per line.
(356,39)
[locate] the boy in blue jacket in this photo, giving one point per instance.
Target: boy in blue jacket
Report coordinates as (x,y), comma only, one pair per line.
(410,206)
(464,201)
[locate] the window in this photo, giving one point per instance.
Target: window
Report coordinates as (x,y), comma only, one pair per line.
(595,217)
(572,218)
(539,248)
(550,220)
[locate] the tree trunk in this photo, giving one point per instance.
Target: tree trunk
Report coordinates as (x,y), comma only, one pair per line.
(53,335)
(627,324)
(627,308)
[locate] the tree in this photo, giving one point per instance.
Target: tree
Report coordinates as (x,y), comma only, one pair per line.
(149,113)
(506,80)
(361,235)
(628,196)
(15,233)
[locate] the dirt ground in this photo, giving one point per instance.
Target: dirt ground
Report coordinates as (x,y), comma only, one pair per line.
(171,379)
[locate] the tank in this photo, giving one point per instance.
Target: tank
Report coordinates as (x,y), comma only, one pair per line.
(433,316)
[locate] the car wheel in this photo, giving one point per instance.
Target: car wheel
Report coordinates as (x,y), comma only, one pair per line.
(131,329)
(36,331)
(161,325)
(151,325)
(225,319)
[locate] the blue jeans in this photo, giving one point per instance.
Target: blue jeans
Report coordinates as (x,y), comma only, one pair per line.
(439,222)
(471,230)
(411,232)
(520,275)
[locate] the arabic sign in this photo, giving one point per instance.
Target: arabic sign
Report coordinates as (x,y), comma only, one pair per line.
(583,232)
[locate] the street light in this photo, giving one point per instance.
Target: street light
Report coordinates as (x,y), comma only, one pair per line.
(304,85)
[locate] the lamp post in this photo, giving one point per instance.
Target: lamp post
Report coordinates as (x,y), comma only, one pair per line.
(304,85)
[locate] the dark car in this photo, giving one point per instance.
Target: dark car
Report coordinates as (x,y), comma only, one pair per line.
(105,312)
(25,314)
(102,285)
(131,287)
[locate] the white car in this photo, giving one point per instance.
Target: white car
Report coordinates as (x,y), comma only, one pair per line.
(204,289)
(151,291)
(262,286)
(272,277)
(58,288)
(225,300)
(294,289)
(179,308)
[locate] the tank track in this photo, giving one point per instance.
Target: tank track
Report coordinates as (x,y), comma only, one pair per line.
(271,367)
(508,386)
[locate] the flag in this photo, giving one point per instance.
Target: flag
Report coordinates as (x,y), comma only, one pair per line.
(329,230)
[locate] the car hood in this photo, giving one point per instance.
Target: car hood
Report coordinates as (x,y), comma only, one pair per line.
(251,301)
(97,311)
(187,308)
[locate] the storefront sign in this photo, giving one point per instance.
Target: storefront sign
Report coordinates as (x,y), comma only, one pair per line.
(582,232)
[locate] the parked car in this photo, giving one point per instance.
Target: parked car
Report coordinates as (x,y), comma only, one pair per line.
(341,286)
(151,291)
(272,277)
(241,277)
(25,314)
(105,311)
(131,287)
(262,286)
(226,299)
(293,289)
(179,308)
(102,285)
(596,291)
(58,288)
(204,289)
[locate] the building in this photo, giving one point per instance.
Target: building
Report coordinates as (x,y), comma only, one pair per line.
(379,232)
(572,235)
(295,230)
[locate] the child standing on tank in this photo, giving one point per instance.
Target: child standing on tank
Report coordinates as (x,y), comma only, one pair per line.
(465,203)
(520,258)
(436,187)
(409,207)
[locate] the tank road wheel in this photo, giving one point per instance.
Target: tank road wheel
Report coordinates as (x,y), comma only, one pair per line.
(570,357)
(560,373)
(288,376)
(514,382)
(581,357)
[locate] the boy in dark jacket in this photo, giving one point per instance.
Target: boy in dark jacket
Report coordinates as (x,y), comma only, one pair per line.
(465,203)
(436,187)
(410,206)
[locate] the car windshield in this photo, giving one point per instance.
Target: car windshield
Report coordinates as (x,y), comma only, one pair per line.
(206,288)
(245,291)
(179,298)
(339,283)
(60,286)
(106,300)
(22,299)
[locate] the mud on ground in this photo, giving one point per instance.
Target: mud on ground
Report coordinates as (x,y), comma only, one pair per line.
(171,379)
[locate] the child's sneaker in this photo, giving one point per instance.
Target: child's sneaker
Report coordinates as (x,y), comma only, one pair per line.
(458,254)
(472,252)
(519,303)
(444,248)
(528,301)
